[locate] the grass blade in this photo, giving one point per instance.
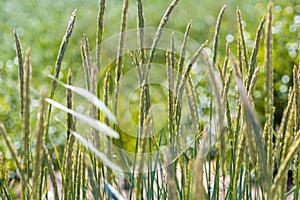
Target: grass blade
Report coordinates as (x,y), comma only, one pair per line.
(91,98)
(112,192)
(97,125)
(253,123)
(99,154)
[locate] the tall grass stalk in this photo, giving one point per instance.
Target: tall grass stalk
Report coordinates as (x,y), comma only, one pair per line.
(140,25)
(242,40)
(217,30)
(120,56)
(68,151)
(26,122)
(15,157)
(255,50)
(294,148)
(60,56)
(182,57)
(51,171)
(38,156)
(100,30)
(21,70)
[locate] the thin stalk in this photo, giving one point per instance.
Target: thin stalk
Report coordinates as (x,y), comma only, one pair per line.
(60,56)
(100,30)
(182,56)
(21,70)
(120,56)
(14,156)
(216,36)
(51,172)
(38,158)
(254,53)
(106,121)
(26,120)
(141,22)
(240,24)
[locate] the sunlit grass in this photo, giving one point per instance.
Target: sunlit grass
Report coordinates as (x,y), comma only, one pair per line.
(223,153)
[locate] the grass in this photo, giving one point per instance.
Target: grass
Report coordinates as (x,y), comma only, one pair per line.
(217,151)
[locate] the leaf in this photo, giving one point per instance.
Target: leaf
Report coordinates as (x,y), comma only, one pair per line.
(97,125)
(112,192)
(87,144)
(90,97)
(252,121)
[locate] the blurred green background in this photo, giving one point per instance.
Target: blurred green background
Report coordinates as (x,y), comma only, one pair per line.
(41,25)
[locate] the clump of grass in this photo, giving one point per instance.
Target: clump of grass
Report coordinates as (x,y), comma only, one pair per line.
(241,149)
